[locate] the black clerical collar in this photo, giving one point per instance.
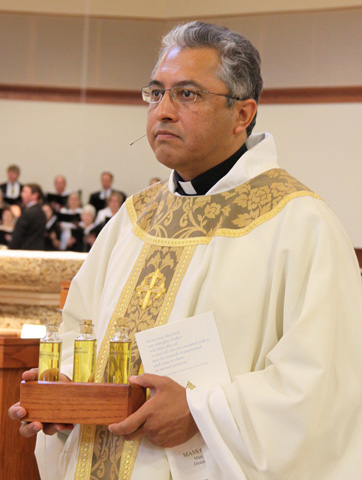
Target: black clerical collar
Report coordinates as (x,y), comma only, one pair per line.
(201,185)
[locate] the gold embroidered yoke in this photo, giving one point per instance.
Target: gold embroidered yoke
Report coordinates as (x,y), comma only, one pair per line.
(161,218)
(171,227)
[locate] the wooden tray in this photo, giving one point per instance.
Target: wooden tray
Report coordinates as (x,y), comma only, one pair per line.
(88,403)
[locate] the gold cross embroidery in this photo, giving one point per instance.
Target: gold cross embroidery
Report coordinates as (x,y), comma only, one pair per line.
(151,288)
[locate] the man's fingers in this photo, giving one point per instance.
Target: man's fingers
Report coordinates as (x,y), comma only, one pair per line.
(136,434)
(30,375)
(27,430)
(131,424)
(148,380)
(51,428)
(16,412)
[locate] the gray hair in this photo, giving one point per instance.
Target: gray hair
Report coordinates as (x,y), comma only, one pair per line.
(239,59)
(89,209)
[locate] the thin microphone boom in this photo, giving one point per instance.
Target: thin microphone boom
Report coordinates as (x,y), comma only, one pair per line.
(138,139)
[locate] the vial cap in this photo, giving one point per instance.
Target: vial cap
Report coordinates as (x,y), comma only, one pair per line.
(88,323)
(52,324)
(86,326)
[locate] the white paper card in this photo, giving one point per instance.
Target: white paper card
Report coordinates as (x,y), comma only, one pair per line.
(188,351)
(33,331)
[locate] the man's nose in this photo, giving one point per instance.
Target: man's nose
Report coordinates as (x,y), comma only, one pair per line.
(166,108)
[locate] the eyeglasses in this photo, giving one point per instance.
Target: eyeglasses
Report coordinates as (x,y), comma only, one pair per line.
(155,94)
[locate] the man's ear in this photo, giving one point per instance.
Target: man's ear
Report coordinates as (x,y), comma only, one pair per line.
(246,111)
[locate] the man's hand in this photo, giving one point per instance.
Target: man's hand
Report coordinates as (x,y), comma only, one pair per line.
(165,419)
(16,412)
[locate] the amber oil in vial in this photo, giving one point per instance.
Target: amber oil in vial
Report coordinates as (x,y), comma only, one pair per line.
(120,347)
(85,352)
(50,352)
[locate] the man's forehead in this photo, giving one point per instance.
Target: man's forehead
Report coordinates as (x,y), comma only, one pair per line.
(177,83)
(187,66)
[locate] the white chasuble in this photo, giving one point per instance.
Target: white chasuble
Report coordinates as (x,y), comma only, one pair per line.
(270,260)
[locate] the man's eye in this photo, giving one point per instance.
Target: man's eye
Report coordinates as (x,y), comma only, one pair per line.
(156,93)
(187,93)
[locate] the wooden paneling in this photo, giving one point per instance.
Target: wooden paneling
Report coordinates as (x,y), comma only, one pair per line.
(133,97)
(312,95)
(77,95)
(169,10)
(17,459)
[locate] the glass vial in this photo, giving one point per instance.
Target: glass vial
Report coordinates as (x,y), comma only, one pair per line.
(120,346)
(85,352)
(50,352)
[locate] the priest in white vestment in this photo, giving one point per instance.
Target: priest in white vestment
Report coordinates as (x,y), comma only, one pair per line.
(232,233)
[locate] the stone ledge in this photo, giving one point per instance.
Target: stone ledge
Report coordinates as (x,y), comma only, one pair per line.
(21,297)
(30,285)
(37,271)
(13,317)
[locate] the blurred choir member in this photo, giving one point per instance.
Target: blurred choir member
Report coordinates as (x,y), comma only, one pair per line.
(83,237)
(7,226)
(11,189)
(16,211)
(99,199)
(30,227)
(3,204)
(114,203)
(58,199)
(52,229)
(69,217)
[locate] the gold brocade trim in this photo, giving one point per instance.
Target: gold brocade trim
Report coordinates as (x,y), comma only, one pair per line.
(222,232)
(128,459)
(83,468)
(130,448)
(164,219)
(268,216)
(182,267)
(168,262)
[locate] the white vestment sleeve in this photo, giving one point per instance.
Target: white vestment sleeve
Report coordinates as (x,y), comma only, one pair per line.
(300,416)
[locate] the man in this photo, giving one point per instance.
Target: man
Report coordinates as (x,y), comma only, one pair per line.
(30,227)
(99,199)
(60,185)
(58,199)
(12,188)
(234,234)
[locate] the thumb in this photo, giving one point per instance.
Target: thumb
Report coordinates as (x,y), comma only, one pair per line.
(147,380)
